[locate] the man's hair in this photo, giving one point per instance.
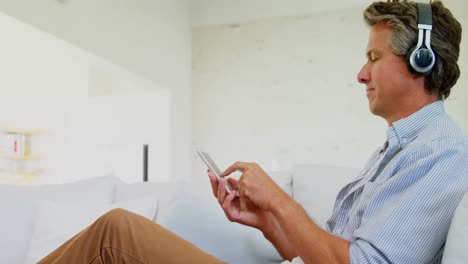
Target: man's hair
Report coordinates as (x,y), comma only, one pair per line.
(402,16)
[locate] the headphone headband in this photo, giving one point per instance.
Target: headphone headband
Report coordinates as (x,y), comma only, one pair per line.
(421,59)
(424,14)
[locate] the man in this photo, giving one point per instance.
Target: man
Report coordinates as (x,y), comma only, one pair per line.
(398,211)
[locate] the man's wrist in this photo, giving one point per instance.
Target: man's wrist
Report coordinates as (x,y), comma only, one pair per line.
(268,229)
(279,202)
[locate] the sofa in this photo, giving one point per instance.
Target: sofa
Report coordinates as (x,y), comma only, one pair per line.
(36,219)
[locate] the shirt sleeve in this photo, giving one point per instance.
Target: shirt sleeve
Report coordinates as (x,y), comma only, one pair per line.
(406,217)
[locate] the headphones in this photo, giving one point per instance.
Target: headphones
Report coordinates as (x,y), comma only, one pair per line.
(421,59)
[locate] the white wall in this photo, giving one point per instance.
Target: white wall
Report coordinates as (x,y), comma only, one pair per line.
(84,104)
(151,38)
(284,90)
(106,134)
(213,12)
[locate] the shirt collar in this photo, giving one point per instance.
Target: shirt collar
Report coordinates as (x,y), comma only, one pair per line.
(406,129)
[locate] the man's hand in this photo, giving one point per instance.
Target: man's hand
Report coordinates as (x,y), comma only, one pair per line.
(243,212)
(256,186)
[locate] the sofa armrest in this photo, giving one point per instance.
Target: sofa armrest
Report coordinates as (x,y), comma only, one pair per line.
(457,238)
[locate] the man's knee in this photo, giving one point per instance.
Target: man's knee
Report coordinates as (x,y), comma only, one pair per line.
(115,216)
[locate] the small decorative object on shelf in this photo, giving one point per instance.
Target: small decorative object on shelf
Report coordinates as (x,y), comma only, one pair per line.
(17,162)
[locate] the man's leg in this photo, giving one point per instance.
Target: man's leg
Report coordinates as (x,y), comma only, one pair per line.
(120,236)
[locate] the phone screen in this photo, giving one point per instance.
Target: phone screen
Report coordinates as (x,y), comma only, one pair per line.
(213,167)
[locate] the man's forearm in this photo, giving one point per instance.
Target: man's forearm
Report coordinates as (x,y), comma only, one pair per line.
(312,244)
(276,236)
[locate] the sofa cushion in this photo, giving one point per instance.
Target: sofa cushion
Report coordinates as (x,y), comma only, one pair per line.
(55,223)
(164,192)
(196,216)
(316,186)
(167,192)
(457,240)
(17,207)
(190,211)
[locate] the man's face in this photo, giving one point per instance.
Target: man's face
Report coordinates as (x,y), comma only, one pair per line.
(386,77)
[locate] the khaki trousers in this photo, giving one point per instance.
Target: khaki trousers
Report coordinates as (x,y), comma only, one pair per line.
(120,236)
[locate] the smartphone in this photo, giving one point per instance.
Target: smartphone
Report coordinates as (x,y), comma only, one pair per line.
(213,168)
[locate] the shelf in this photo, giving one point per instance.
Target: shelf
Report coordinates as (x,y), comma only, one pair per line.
(21,131)
(19,157)
(18,165)
(4,174)
(21,178)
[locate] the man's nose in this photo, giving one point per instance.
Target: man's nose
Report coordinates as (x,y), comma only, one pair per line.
(364,75)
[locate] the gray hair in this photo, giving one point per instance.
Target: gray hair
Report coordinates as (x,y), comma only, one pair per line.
(445,39)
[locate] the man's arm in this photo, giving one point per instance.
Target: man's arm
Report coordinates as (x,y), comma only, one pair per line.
(274,233)
(311,243)
(308,240)
(289,229)
(252,216)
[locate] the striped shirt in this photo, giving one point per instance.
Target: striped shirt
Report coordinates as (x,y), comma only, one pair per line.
(400,207)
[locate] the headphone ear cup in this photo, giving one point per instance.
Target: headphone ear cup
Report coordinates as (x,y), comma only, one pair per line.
(408,61)
(420,61)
